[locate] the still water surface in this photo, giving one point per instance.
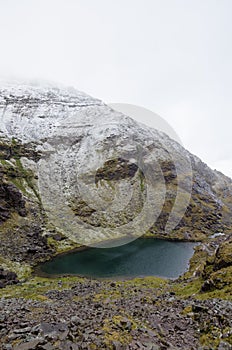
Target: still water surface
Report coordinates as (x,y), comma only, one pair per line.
(142,257)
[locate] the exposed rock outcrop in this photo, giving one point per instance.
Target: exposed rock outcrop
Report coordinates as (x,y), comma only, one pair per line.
(7,278)
(217,272)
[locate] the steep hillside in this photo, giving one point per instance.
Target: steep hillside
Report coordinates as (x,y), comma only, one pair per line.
(80,169)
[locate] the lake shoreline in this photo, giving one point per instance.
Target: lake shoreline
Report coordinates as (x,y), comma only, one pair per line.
(125,251)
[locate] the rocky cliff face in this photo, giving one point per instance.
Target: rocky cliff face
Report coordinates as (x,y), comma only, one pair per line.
(74,170)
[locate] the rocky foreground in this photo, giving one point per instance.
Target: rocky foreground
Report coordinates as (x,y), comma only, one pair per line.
(88,314)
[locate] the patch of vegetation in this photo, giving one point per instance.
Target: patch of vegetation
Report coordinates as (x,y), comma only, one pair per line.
(114,332)
(35,288)
(142,181)
(152,282)
(23,271)
(29,178)
(63,245)
(187,288)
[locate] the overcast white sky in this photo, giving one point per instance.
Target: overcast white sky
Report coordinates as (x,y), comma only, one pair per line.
(173,57)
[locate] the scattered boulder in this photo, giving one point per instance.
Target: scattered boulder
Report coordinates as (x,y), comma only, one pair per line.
(7,278)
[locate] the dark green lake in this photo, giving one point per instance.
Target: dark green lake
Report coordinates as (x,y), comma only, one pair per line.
(142,257)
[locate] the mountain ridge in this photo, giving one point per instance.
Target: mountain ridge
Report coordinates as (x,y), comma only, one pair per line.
(86,134)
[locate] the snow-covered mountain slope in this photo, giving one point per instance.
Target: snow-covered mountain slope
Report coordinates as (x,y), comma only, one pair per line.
(101,175)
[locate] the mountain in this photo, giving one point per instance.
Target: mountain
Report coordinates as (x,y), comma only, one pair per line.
(72,167)
(75,172)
